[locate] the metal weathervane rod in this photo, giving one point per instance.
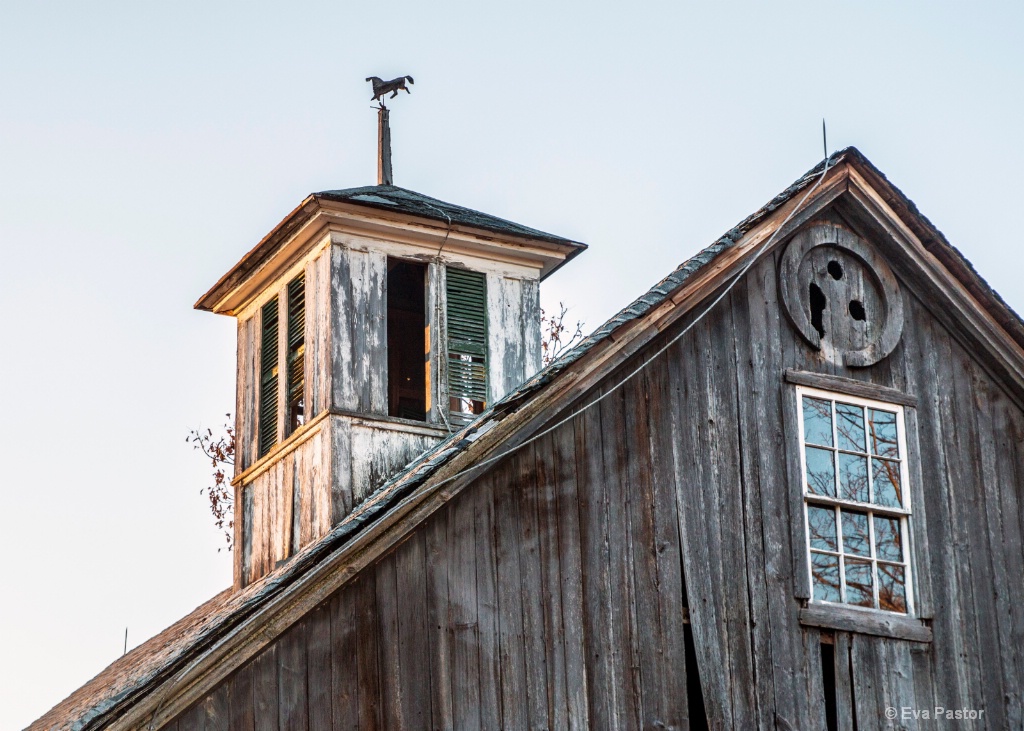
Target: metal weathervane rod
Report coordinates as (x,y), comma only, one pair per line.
(380,89)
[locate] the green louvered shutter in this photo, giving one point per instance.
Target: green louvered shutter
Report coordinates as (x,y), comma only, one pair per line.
(296,350)
(268,378)
(467,344)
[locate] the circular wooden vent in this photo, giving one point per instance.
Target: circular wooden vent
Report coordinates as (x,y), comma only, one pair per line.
(841,296)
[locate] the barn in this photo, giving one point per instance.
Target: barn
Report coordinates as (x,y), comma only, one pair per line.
(779,491)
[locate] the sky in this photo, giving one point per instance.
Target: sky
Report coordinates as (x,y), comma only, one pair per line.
(145,147)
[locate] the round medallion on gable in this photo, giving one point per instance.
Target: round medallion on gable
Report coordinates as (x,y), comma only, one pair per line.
(841,296)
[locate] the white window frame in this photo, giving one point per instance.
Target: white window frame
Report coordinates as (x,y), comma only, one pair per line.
(904,513)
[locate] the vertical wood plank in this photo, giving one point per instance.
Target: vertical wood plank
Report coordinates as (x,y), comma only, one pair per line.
(544,502)
(535,650)
(462,613)
(436,543)
(753,417)
(933,412)
(868,675)
(638,483)
(671,650)
(376,333)
(593,538)
(970,533)
(790,663)
(319,644)
(343,386)
(1012,541)
(569,551)
(345,658)
(218,712)
(391,690)
(510,617)
(700,528)
(293,695)
(241,701)
(340,470)
(532,355)
(369,681)
(487,606)
(193,719)
(843,682)
(245,548)
(265,690)
(414,669)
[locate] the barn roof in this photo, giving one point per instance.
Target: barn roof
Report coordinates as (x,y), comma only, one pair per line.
(211,627)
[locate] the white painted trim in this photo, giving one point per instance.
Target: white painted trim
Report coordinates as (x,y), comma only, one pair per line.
(904,515)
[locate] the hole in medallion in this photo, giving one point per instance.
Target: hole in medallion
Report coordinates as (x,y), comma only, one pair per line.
(857,310)
(835,269)
(818,302)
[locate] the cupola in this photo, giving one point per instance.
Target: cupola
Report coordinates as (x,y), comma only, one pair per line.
(372,322)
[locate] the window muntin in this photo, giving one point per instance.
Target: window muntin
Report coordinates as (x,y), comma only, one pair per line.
(856,502)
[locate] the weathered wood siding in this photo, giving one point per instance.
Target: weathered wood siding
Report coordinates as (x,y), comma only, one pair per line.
(359,330)
(514,353)
(550,593)
(317,483)
(287,505)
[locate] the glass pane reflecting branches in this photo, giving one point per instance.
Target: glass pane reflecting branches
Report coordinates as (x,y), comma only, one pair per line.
(856,507)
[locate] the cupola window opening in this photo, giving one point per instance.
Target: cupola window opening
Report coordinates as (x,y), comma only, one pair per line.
(408,340)
(856,501)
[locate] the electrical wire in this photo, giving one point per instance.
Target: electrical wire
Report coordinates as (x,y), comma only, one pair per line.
(441,409)
(753,259)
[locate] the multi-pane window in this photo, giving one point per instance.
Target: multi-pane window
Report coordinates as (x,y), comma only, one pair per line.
(856,500)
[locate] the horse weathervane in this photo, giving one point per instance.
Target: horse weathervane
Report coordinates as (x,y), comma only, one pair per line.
(380,89)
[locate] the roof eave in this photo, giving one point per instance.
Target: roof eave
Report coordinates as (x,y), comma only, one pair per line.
(259,254)
(313,204)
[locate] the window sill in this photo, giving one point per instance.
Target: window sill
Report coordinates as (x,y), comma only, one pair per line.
(880,624)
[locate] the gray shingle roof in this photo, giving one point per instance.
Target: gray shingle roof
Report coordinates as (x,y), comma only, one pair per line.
(401,200)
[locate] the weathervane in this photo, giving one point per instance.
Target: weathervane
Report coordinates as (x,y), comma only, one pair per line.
(380,89)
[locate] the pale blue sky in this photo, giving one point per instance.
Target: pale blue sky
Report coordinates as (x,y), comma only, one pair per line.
(144,147)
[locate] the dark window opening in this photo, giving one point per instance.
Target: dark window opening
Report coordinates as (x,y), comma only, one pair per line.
(408,341)
(835,269)
(268,377)
(857,310)
(828,682)
(818,304)
(296,352)
(466,310)
(694,694)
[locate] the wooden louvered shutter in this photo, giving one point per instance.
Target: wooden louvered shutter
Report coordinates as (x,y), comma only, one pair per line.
(467,344)
(296,351)
(268,378)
